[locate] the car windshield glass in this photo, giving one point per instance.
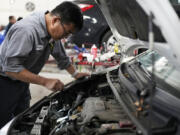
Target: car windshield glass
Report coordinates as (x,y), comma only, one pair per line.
(163,70)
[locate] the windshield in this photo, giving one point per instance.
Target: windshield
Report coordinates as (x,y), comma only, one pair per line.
(164,71)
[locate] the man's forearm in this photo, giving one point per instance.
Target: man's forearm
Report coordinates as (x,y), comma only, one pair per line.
(27,76)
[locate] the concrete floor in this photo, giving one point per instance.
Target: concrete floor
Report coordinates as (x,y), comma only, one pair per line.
(50,71)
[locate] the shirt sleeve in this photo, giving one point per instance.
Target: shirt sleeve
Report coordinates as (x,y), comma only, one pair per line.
(18,46)
(59,53)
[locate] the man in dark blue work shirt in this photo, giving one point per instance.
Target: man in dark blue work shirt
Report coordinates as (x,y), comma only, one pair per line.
(25,50)
(12,20)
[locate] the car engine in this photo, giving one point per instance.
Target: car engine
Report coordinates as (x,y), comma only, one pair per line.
(78,110)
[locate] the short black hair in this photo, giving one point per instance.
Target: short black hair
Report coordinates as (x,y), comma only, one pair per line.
(19,18)
(69,13)
(11,17)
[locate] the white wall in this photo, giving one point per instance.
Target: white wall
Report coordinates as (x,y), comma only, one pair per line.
(17,8)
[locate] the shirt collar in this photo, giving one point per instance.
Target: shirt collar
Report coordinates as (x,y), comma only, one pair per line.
(43,25)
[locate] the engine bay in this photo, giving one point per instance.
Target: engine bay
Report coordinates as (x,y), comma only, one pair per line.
(86,107)
(96,105)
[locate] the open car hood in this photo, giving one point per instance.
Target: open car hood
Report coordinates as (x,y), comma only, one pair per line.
(128,20)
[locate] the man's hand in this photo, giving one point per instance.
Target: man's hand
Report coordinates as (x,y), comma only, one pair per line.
(53,84)
(29,77)
(73,72)
(79,75)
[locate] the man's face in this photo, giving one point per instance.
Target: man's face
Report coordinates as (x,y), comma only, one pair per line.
(13,20)
(60,30)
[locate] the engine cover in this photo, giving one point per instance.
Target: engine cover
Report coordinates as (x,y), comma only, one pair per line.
(107,110)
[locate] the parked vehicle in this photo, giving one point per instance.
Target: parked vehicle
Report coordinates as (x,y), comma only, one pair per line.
(95,29)
(141,96)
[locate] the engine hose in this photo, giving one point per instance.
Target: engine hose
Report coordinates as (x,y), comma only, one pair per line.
(65,130)
(72,109)
(54,129)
